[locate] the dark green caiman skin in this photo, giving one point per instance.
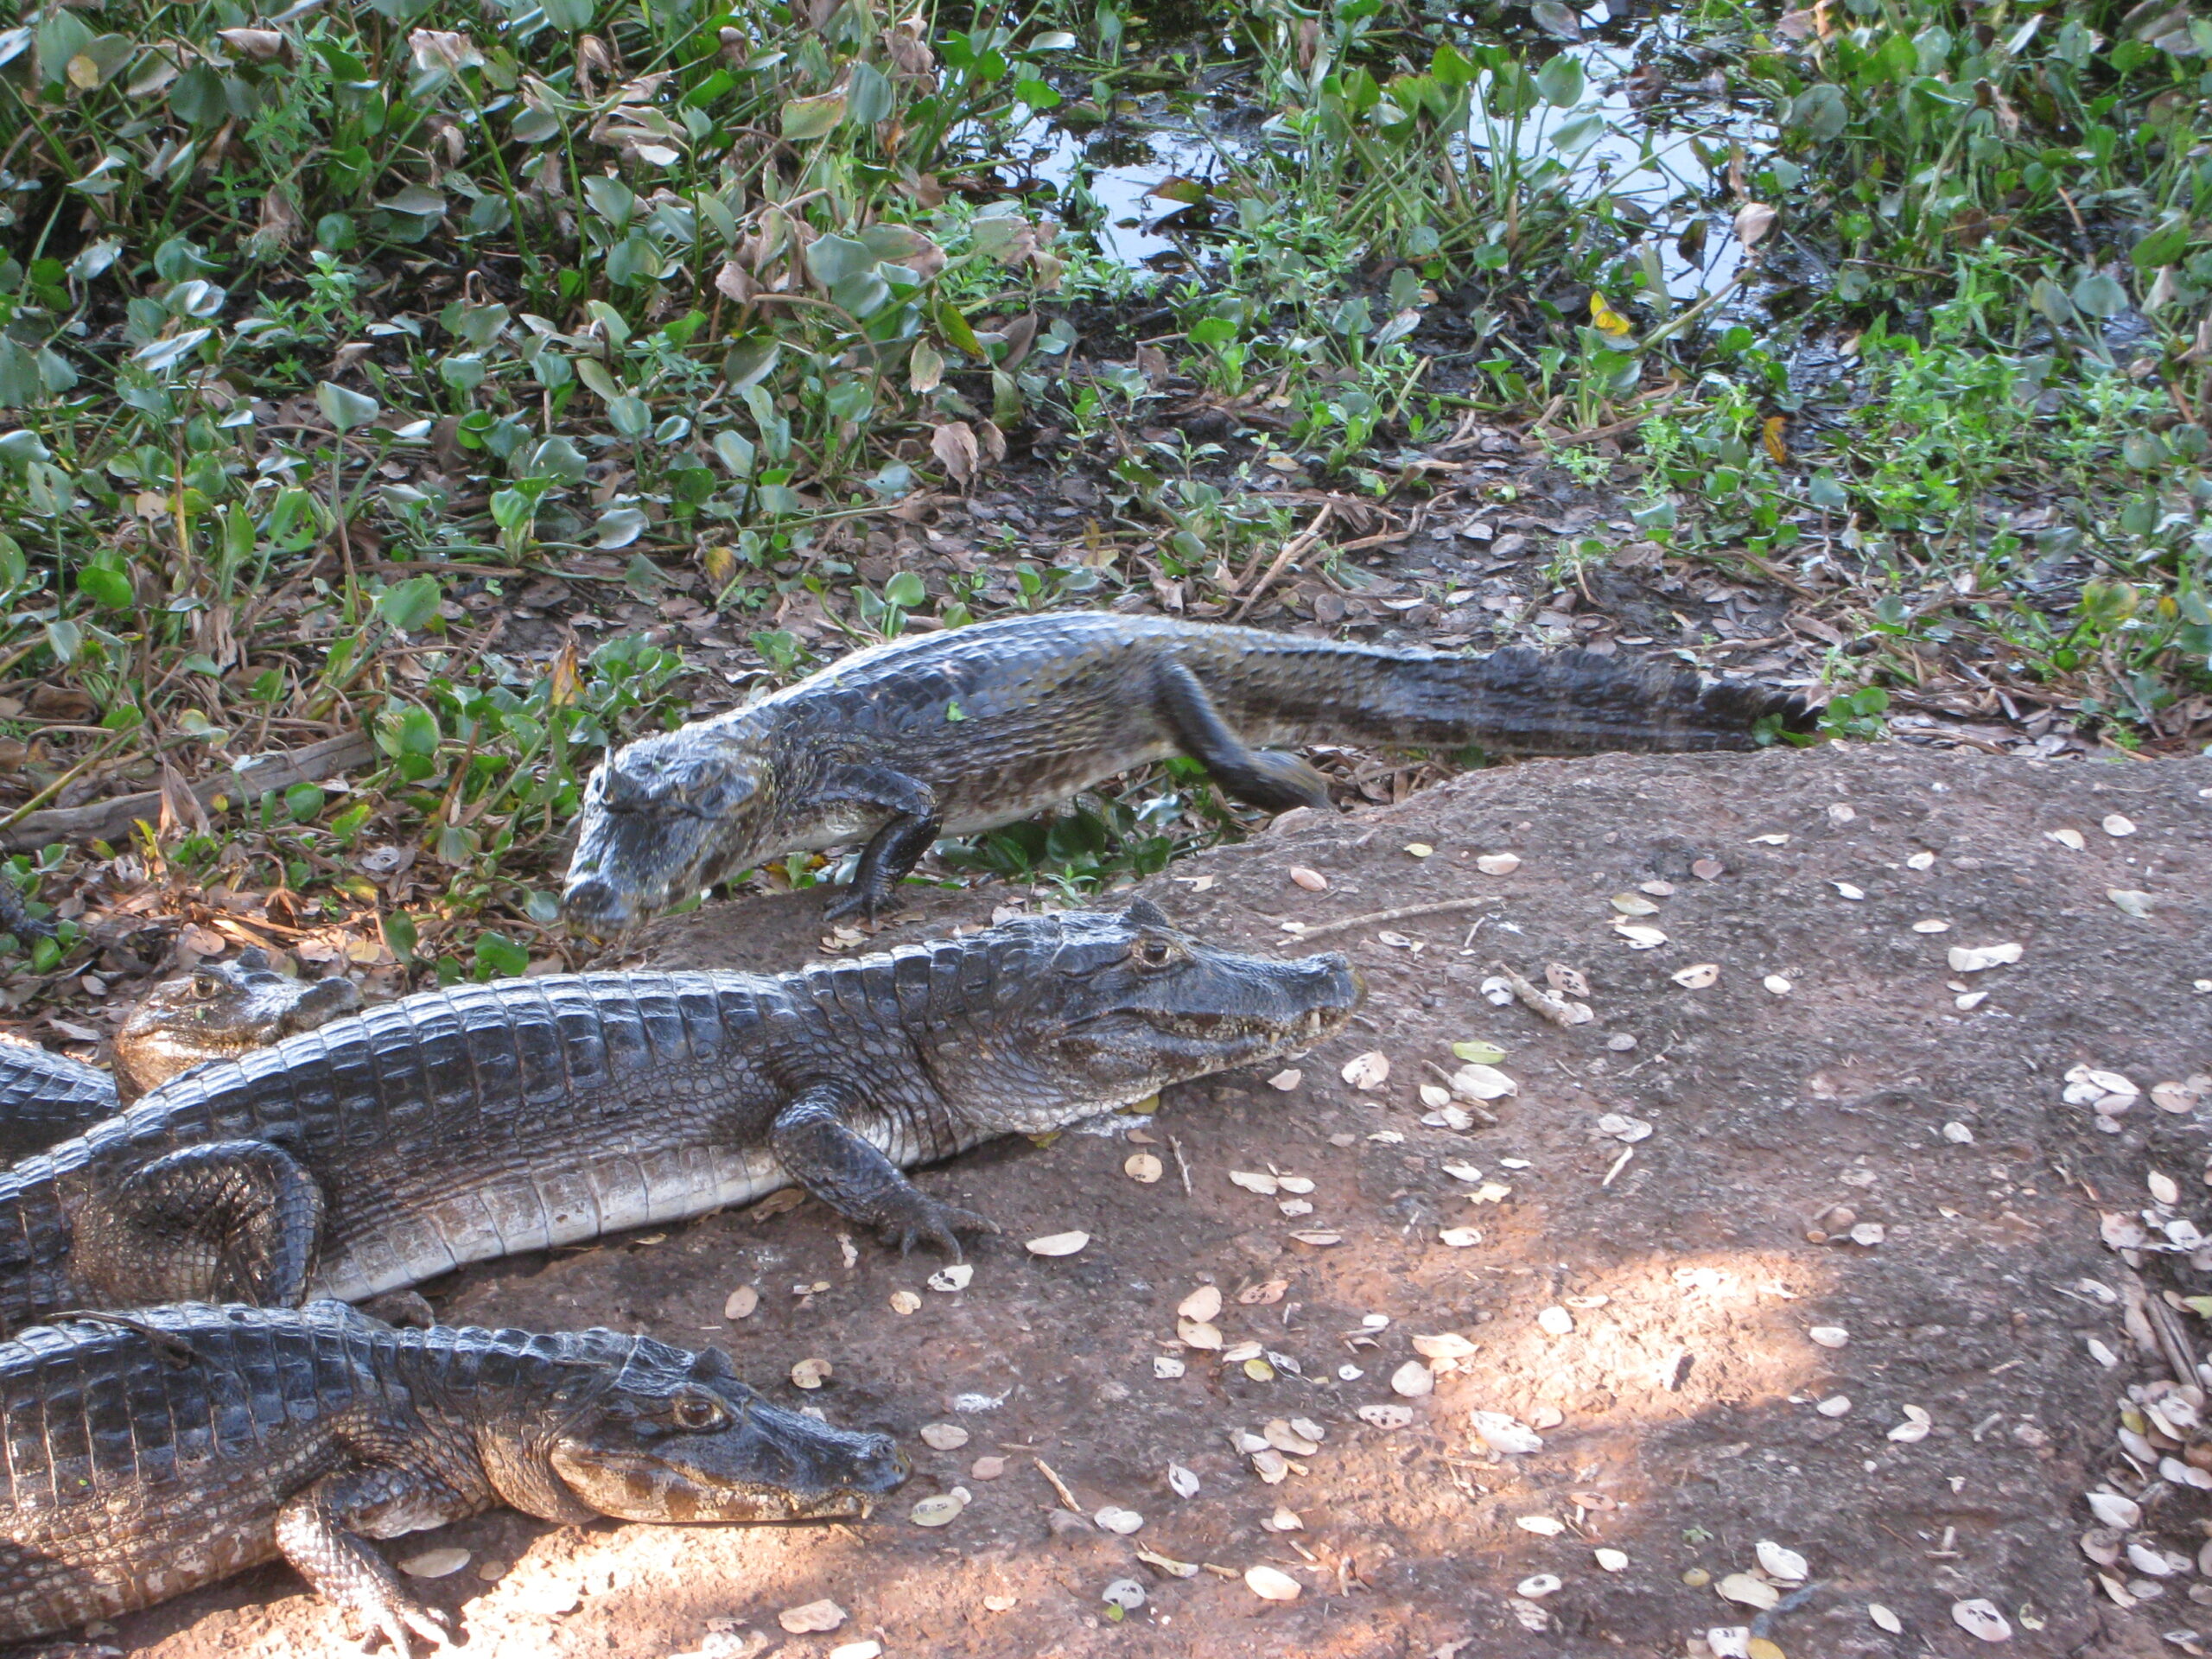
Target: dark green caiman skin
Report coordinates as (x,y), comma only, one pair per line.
(219,1009)
(460,1125)
(952,733)
(152,1452)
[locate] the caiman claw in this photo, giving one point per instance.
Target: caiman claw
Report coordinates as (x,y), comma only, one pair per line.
(924,1220)
(395,1613)
(854,903)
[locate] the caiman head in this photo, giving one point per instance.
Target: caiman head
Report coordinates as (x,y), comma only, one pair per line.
(642,1431)
(662,820)
(218,1010)
(1084,1011)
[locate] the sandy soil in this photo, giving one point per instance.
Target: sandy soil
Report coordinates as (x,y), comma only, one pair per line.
(1681,1415)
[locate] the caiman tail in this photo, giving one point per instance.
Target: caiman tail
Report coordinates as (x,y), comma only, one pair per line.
(1514,701)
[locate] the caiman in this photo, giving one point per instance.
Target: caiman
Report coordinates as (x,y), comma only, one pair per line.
(219,1009)
(459,1125)
(152,1452)
(957,731)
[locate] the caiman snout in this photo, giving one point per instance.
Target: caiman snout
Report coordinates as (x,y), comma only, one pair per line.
(593,902)
(884,1465)
(324,1000)
(1336,990)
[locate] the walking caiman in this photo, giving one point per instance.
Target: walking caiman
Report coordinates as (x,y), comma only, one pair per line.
(219,1009)
(152,1452)
(955,732)
(459,1125)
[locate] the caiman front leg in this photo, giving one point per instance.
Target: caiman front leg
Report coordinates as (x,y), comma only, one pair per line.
(822,1154)
(1263,778)
(894,849)
(226,1221)
(323,1533)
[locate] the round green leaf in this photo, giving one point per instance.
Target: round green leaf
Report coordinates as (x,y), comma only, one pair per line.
(343,408)
(1560,81)
(105,586)
(407,606)
(813,118)
(2099,295)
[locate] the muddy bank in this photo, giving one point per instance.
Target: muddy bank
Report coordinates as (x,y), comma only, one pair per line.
(1640,1295)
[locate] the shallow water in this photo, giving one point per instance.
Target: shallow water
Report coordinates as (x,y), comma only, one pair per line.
(1644,158)
(1119,169)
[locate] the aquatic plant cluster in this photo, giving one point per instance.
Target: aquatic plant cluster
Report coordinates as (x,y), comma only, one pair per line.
(335,338)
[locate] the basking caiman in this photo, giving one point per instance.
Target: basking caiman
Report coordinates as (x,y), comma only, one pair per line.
(459,1125)
(950,732)
(152,1452)
(219,1009)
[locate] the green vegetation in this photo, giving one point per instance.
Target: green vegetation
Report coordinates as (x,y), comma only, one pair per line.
(328,334)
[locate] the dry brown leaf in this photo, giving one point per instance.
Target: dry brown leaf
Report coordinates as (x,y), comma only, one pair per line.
(954,444)
(824,1615)
(1367,1071)
(1753,220)
(1203,1303)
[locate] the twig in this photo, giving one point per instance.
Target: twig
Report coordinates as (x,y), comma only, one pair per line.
(24,814)
(1593,435)
(1544,1002)
(1473,1108)
(1620,1164)
(2172,1339)
(1403,912)
(1181,1164)
(106,820)
(1683,319)
(1291,549)
(1058,1485)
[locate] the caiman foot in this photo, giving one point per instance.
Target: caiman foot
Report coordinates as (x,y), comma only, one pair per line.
(917,1218)
(854,902)
(862,900)
(392,1616)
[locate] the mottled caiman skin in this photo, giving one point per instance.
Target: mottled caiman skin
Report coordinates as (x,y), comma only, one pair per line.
(460,1125)
(952,733)
(152,1452)
(219,1009)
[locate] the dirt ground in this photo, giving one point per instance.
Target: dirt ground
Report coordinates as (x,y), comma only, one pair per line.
(1685,1416)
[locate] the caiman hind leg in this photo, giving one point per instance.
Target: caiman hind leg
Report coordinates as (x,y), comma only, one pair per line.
(894,849)
(323,1533)
(824,1155)
(227,1221)
(1263,778)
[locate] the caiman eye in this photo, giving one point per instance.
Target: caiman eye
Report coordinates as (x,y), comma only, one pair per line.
(206,986)
(1153,952)
(697,1411)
